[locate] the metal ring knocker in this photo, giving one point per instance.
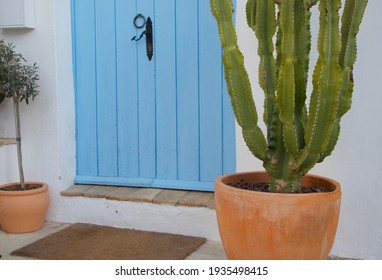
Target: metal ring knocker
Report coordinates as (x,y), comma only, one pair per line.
(136,20)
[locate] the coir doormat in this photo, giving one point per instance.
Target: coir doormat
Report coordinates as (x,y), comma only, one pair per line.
(92,242)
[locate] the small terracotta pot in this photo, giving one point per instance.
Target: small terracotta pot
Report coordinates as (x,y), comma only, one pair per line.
(23,211)
(258,225)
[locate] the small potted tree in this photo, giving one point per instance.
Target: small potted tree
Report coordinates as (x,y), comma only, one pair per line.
(23,205)
(293,214)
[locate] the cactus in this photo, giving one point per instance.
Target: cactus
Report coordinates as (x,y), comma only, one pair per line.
(297,138)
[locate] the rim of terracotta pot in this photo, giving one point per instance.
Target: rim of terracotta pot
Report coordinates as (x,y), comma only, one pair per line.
(331,184)
(25,192)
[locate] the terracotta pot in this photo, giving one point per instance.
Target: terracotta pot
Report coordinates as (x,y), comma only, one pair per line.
(23,211)
(258,225)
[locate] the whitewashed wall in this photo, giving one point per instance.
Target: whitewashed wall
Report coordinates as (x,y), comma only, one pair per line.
(48,122)
(49,140)
(48,127)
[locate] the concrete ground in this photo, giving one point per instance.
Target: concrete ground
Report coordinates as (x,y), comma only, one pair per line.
(210,250)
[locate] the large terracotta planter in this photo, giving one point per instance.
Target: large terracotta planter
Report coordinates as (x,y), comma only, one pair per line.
(23,211)
(258,225)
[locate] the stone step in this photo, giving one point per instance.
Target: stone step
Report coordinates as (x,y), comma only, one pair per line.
(162,210)
(150,195)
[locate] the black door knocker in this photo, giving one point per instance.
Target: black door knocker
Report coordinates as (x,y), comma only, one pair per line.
(139,22)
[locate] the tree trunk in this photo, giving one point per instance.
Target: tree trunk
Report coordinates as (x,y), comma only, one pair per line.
(18,141)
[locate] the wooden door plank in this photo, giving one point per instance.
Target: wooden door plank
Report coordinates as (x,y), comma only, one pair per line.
(127,86)
(165,57)
(106,88)
(146,100)
(187,89)
(211,161)
(85,82)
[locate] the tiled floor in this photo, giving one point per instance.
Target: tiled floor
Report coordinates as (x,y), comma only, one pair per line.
(210,250)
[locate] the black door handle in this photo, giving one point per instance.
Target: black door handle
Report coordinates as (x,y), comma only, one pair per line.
(149,37)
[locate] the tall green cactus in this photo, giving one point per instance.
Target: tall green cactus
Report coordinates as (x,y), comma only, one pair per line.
(297,138)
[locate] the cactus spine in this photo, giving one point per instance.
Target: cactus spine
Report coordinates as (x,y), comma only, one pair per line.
(296,139)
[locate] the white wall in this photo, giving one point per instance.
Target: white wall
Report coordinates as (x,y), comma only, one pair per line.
(48,129)
(49,140)
(39,119)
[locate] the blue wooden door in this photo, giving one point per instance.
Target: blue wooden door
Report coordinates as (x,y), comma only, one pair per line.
(161,123)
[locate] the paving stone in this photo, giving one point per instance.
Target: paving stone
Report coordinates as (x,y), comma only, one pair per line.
(196,199)
(75,190)
(336,258)
(144,195)
(122,193)
(98,191)
(171,197)
(12,241)
(210,250)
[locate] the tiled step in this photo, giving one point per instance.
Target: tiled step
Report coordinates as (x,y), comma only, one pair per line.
(150,195)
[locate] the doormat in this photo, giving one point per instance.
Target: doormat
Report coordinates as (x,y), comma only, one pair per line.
(93,242)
